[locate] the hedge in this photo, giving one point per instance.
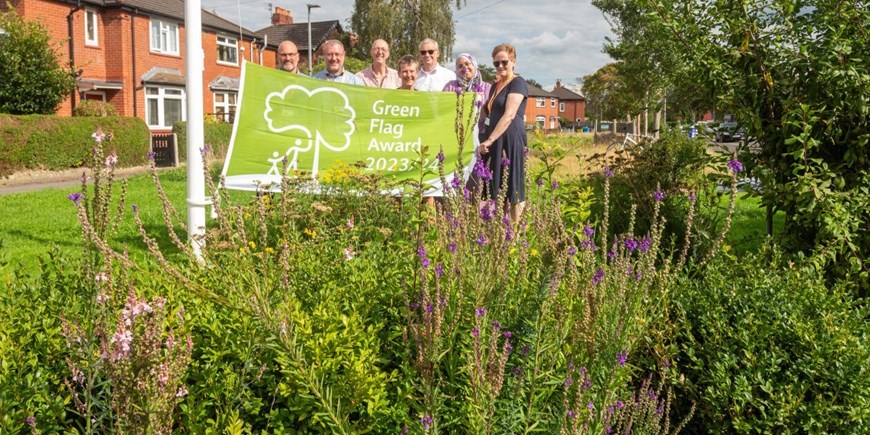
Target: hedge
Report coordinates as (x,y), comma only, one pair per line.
(216,135)
(50,142)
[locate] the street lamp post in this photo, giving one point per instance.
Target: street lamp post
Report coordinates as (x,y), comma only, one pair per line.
(310,7)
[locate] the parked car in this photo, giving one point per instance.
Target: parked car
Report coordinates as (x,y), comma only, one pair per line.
(729,132)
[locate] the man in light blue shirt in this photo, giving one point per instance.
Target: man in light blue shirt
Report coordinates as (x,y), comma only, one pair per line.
(333,53)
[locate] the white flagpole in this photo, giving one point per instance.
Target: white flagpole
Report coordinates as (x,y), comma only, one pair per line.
(193,65)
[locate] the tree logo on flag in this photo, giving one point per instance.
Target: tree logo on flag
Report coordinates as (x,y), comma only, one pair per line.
(289,112)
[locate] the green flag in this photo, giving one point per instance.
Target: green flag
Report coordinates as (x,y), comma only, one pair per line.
(316,125)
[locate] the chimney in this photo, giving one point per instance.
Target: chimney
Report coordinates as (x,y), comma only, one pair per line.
(282,16)
(558,83)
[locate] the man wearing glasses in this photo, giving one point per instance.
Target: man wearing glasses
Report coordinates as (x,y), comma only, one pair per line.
(432,76)
(288,57)
(333,53)
(379,75)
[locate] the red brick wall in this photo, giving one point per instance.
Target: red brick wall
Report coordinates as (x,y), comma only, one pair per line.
(548,111)
(574,110)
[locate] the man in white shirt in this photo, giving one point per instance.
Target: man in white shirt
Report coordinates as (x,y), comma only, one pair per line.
(432,77)
(379,75)
(333,53)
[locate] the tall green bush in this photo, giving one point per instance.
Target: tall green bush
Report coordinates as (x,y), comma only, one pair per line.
(216,135)
(31,80)
(772,352)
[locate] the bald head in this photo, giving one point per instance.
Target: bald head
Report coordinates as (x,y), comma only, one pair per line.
(288,57)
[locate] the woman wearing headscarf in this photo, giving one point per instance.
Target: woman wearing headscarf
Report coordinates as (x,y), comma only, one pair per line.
(468,79)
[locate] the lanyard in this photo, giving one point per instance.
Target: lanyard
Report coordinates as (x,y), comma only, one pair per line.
(499,87)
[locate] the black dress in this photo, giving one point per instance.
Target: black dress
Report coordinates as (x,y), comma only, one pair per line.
(511,144)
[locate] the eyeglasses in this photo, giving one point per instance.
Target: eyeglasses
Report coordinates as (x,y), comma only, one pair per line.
(500,63)
(425,52)
(288,54)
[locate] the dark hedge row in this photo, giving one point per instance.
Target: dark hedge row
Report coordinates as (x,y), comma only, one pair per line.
(57,143)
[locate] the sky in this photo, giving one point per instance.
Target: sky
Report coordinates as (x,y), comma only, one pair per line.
(555,39)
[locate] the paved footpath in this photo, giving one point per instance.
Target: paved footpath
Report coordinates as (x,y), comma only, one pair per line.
(38,180)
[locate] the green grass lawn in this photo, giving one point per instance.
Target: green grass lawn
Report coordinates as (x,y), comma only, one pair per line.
(33,223)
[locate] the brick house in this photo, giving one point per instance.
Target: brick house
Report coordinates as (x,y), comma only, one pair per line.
(542,109)
(131,54)
(572,105)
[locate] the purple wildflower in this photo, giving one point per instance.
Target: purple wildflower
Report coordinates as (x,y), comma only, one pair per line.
(619,404)
(555,185)
(482,171)
(475,332)
(421,252)
(439,270)
(480,312)
(621,357)
(451,247)
(496,325)
(75,197)
(540,182)
(466,194)
(611,253)
(30,420)
(588,231)
(440,156)
(518,370)
(505,161)
(429,308)
(658,195)
(590,406)
(735,166)
(660,410)
(631,244)
(482,240)
(607,172)
(426,421)
(568,381)
(645,244)
(456,182)
(507,334)
(486,213)
(206,149)
(151,155)
(135,208)
(525,350)
(599,275)
(692,196)
(570,414)
(572,251)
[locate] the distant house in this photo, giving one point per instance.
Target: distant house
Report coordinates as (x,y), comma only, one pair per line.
(130,53)
(283,28)
(542,109)
(572,105)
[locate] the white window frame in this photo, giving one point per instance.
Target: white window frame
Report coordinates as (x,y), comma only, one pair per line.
(101,94)
(163,93)
(540,102)
(230,43)
(229,108)
(561,107)
(92,20)
(552,102)
(167,37)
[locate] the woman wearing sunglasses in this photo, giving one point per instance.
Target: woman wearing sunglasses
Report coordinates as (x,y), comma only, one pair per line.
(504,146)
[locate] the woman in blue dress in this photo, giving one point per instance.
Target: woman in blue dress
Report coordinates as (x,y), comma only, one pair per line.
(504,137)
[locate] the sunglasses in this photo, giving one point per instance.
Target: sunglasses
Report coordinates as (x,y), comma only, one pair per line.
(500,63)
(425,52)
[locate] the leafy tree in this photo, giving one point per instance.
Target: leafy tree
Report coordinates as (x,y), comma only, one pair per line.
(603,90)
(403,24)
(31,80)
(533,82)
(797,74)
